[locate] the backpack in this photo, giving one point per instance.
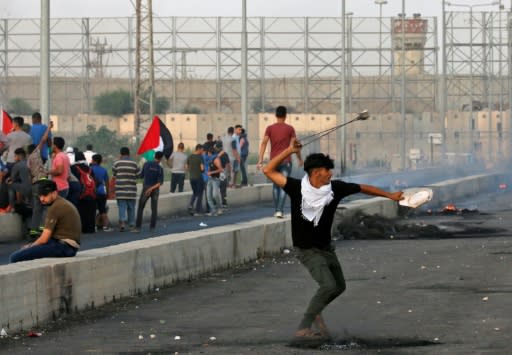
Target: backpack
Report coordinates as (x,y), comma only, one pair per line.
(88,191)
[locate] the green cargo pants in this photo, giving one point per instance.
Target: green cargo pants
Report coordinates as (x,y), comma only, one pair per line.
(324,267)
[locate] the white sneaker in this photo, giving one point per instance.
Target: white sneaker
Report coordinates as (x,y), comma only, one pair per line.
(279,214)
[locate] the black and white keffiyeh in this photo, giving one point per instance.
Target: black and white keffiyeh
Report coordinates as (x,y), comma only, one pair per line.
(314,200)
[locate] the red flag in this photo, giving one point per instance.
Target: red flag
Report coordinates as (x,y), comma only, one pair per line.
(6,122)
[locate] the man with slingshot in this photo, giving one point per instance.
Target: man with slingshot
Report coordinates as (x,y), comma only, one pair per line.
(314,200)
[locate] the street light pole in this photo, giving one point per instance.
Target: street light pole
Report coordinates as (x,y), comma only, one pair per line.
(244,90)
(341,155)
(380,3)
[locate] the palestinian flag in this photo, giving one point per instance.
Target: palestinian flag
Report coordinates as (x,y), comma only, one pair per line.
(157,139)
(5,122)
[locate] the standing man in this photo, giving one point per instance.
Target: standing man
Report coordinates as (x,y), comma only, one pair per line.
(88,153)
(226,145)
(126,170)
(153,176)
(244,153)
(280,134)
(20,182)
(224,161)
(195,168)
(235,148)
(37,132)
(102,184)
(16,139)
(314,200)
(61,233)
(213,196)
(37,172)
(60,167)
(177,163)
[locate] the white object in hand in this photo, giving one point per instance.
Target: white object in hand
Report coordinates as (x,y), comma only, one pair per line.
(416,197)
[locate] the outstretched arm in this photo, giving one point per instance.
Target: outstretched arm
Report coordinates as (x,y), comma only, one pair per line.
(44,138)
(375,191)
(270,170)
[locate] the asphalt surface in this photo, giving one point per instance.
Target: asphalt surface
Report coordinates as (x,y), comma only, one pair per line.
(404,296)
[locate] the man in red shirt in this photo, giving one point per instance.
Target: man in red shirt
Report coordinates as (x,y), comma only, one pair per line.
(280,134)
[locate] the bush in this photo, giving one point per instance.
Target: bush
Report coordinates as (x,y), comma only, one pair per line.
(114,103)
(103,140)
(258,106)
(191,110)
(20,106)
(162,104)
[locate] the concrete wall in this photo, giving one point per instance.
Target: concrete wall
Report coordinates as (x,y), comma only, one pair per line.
(168,204)
(36,291)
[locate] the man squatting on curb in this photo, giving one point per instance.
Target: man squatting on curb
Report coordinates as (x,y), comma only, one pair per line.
(313,204)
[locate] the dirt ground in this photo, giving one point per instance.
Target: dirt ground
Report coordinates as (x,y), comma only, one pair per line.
(445,293)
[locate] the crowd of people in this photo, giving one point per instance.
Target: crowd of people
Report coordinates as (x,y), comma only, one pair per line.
(32,158)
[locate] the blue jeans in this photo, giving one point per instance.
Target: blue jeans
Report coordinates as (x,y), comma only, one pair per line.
(243,170)
(213,194)
(126,206)
(52,249)
(278,193)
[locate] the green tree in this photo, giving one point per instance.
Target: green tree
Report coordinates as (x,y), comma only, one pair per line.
(191,110)
(20,106)
(257,105)
(113,103)
(104,141)
(162,104)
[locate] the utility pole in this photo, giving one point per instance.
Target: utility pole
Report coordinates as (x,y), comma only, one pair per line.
(144,63)
(45,61)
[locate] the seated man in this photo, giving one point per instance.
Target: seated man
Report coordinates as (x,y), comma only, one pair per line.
(20,181)
(61,234)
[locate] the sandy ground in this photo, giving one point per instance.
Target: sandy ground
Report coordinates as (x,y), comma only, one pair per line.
(448,295)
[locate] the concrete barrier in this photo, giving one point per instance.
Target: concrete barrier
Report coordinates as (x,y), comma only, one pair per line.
(39,290)
(11,227)
(34,292)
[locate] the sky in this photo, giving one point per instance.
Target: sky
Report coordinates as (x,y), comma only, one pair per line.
(203,8)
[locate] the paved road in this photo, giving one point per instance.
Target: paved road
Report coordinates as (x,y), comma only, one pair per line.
(432,296)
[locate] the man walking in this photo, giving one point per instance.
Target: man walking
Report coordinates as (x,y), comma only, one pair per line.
(61,233)
(280,134)
(314,200)
(153,176)
(125,170)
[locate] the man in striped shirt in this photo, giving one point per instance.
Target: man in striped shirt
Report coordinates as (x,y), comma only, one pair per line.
(126,170)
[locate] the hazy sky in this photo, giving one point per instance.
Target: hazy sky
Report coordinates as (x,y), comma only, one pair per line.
(277,8)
